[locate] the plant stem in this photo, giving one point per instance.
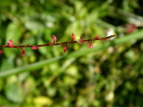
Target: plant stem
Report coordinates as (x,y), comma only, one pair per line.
(52,44)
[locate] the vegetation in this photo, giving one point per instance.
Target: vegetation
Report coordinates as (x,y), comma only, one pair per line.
(107,75)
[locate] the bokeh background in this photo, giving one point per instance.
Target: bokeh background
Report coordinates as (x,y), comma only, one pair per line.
(108,75)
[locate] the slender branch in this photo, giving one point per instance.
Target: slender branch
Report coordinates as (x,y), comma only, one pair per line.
(52,44)
(35,47)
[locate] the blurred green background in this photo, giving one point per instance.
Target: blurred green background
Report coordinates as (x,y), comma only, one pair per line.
(108,75)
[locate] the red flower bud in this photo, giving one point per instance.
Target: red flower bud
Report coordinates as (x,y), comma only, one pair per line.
(73,36)
(0,52)
(54,38)
(97,37)
(65,48)
(22,51)
(49,43)
(34,47)
(90,45)
(10,43)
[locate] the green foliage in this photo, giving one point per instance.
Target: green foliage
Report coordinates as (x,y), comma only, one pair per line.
(110,74)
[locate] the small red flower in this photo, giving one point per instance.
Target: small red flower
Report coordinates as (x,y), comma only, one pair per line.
(65,48)
(35,47)
(73,36)
(97,37)
(54,38)
(22,51)
(0,52)
(90,45)
(10,43)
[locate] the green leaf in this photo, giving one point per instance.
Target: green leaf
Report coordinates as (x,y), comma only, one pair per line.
(14,92)
(14,32)
(29,67)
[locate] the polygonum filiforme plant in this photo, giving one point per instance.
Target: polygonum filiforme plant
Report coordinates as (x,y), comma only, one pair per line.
(63,44)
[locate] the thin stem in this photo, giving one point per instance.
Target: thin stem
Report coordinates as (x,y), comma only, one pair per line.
(52,44)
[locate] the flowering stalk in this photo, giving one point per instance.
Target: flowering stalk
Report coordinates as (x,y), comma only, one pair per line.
(35,47)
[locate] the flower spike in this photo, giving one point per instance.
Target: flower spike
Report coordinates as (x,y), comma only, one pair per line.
(10,44)
(35,47)
(54,38)
(0,51)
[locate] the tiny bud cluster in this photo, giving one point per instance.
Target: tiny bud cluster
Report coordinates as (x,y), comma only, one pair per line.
(97,37)
(73,36)
(22,52)
(34,47)
(65,49)
(10,44)
(90,45)
(54,38)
